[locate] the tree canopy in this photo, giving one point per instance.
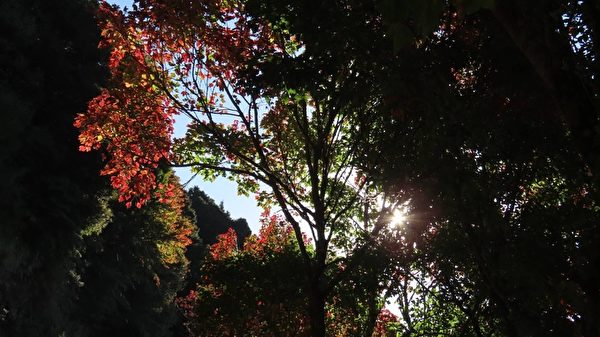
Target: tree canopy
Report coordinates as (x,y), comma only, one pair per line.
(300,139)
(436,157)
(349,110)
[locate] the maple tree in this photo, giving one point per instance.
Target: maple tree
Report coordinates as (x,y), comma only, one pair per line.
(73,260)
(252,291)
(255,291)
(202,61)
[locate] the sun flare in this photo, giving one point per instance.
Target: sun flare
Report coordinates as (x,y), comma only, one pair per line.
(399,216)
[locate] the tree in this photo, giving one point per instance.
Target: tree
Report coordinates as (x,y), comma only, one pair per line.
(50,68)
(493,158)
(255,291)
(339,114)
(73,261)
(211,221)
(294,136)
(134,269)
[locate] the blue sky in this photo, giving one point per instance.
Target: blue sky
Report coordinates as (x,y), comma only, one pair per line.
(221,190)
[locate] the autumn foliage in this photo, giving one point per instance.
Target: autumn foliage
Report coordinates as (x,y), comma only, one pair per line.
(178,228)
(251,291)
(346,113)
(158,53)
(256,290)
(132,120)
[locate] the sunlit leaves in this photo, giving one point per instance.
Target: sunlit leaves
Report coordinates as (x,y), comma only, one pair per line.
(178,228)
(165,60)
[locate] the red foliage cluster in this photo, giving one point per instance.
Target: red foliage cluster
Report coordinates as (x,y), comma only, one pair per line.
(132,119)
(186,303)
(273,237)
(156,51)
(225,247)
(241,289)
(384,318)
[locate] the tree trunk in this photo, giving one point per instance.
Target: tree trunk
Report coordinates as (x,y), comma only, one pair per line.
(373,312)
(317,311)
